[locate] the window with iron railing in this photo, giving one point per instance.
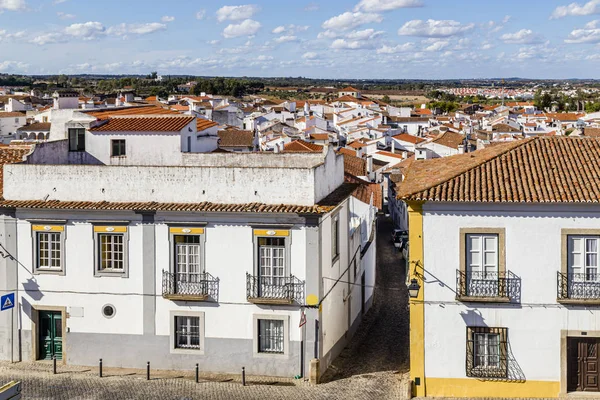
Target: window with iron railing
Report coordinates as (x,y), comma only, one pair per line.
(581,280)
(487,350)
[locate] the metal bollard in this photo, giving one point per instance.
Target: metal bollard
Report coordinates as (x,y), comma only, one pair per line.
(243,376)
(148,371)
(100,369)
(196,373)
(54,365)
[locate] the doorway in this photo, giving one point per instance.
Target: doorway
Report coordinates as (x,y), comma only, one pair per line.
(583,373)
(50,335)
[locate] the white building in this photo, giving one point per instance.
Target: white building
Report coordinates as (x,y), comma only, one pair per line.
(10,122)
(214,261)
(507,270)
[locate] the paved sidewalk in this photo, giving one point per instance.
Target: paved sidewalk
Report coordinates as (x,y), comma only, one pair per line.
(72,382)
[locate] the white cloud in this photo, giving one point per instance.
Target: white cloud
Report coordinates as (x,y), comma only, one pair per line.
(247,27)
(486,46)
(524,36)
(290,29)
(386,5)
(327,35)
(13,66)
(366,34)
(311,55)
(433,28)
(201,14)
(264,58)
(506,19)
(63,15)
(396,49)
(136,29)
(214,42)
(167,18)
(5,35)
(577,9)
(236,13)
(343,44)
(311,7)
(47,38)
(12,5)
(87,31)
(349,20)
(589,34)
(285,38)
(435,44)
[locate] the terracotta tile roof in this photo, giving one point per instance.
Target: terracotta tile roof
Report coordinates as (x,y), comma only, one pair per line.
(365,190)
(36,127)
(322,207)
(354,165)
(591,132)
(143,110)
(202,124)
(319,136)
(543,169)
(406,137)
(348,98)
(300,146)
(151,98)
(390,154)
(449,139)
(349,89)
(179,107)
(236,138)
(349,120)
(11,114)
(409,119)
(346,151)
(504,128)
(11,155)
(564,116)
(357,144)
(169,123)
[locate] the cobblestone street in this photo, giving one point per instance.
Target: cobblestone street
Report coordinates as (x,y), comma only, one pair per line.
(373,366)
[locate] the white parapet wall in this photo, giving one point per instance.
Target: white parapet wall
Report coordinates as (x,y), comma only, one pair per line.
(295,179)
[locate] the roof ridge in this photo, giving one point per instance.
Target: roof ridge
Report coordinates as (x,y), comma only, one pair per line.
(519,143)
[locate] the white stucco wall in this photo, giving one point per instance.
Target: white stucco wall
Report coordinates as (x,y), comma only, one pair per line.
(9,126)
(533,253)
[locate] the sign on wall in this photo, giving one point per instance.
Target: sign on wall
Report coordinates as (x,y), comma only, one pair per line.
(7,301)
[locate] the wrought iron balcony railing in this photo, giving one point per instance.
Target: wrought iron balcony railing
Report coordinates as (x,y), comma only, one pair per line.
(583,287)
(189,286)
(487,286)
(274,290)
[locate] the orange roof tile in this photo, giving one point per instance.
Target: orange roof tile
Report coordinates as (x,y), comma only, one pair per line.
(145,124)
(300,146)
(553,169)
(137,110)
(179,107)
(406,137)
(346,151)
(236,138)
(202,124)
(11,155)
(319,136)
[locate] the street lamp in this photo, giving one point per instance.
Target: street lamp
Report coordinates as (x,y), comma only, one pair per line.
(413,288)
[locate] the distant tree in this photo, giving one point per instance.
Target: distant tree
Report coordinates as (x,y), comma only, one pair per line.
(386,99)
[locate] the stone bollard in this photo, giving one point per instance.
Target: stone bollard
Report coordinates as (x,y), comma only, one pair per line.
(314,373)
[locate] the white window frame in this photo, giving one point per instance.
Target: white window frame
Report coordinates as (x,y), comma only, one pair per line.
(487,354)
(173,337)
(98,272)
(286,335)
(590,273)
(35,235)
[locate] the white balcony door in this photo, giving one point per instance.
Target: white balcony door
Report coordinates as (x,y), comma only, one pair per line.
(187,250)
(272,262)
(583,258)
(482,256)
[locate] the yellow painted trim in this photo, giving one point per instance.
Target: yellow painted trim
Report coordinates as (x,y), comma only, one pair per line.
(48,228)
(455,387)
(417,307)
(110,229)
(187,231)
(271,232)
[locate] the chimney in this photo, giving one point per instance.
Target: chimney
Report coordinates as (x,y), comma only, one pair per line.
(393,145)
(276,148)
(370,173)
(461,149)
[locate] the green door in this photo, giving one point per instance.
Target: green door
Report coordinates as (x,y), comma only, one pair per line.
(50,335)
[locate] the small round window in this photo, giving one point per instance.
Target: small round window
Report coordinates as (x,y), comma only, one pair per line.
(109,311)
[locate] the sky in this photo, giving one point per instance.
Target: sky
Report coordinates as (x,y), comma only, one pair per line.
(345,39)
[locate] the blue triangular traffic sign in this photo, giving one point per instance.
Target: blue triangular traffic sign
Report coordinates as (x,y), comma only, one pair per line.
(7,301)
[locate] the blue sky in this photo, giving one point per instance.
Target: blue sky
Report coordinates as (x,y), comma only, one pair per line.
(323,39)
